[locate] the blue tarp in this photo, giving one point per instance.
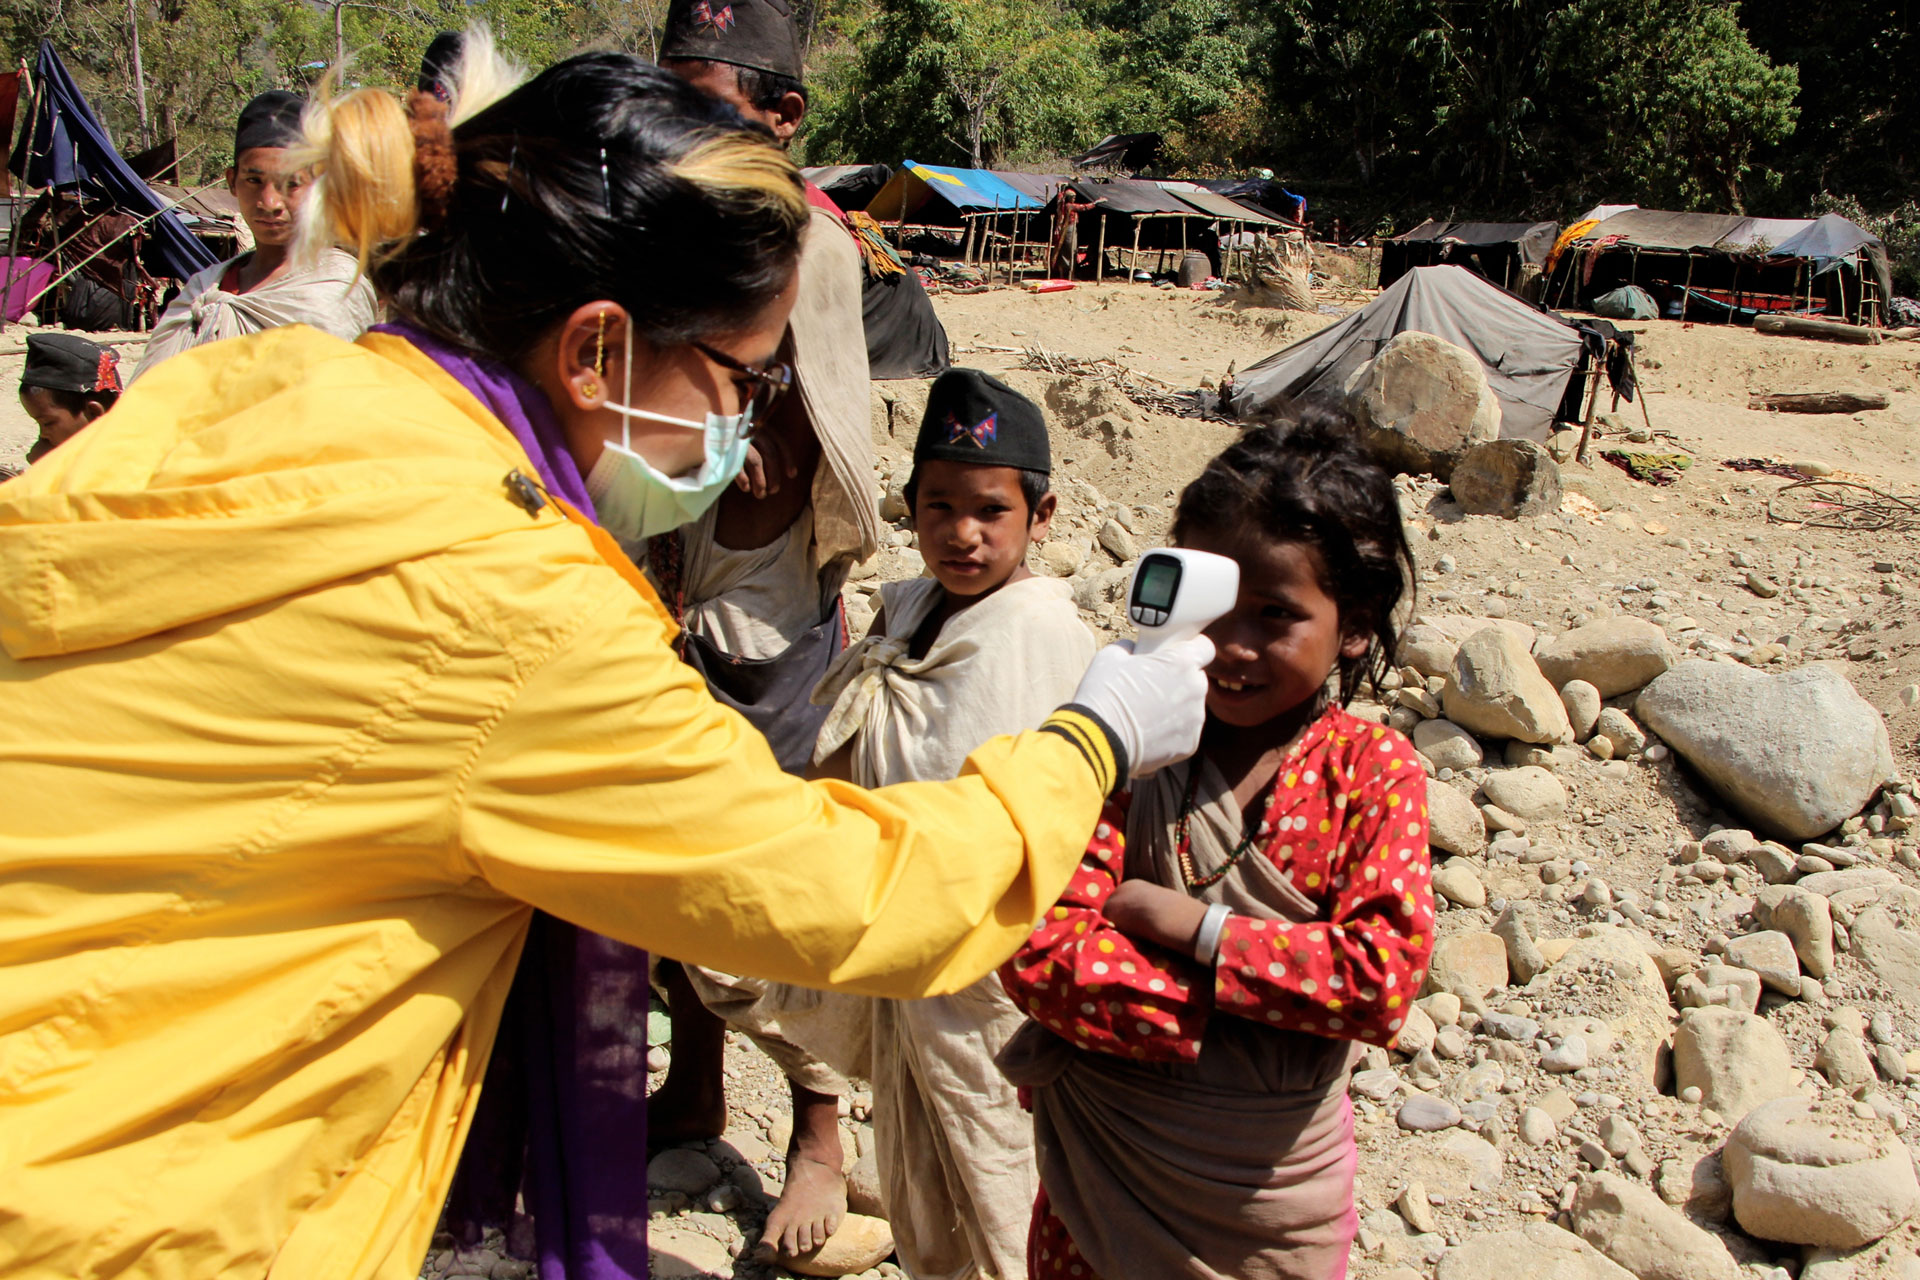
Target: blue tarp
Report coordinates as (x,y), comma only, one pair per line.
(972,190)
(66,145)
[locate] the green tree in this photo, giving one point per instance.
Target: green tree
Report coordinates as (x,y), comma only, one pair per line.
(1684,99)
(969,81)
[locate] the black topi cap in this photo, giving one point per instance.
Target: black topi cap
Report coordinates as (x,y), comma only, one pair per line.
(270,120)
(63,362)
(437,64)
(756,34)
(974,417)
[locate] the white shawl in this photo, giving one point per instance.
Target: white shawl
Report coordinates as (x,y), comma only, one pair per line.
(1000,666)
(327,296)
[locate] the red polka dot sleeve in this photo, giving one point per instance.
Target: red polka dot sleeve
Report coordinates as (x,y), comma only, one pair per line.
(1083,979)
(1352,975)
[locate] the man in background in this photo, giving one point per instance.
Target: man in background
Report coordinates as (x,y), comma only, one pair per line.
(262,288)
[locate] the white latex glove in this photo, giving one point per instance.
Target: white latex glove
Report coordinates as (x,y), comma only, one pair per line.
(1154,703)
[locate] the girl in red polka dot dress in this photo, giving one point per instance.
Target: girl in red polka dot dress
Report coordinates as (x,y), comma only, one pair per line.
(1241,922)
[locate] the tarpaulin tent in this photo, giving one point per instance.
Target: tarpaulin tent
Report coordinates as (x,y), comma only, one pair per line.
(851,186)
(1497,250)
(1530,355)
(1217,206)
(1719,266)
(937,195)
(1131,219)
(1129,151)
(1262,194)
(66,145)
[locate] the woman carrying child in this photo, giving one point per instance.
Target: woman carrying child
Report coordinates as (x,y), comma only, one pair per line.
(1241,920)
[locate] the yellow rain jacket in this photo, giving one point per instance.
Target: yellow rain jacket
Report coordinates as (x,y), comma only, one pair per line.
(299,712)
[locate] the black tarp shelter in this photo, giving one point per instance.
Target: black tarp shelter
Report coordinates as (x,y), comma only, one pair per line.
(1532,357)
(1497,250)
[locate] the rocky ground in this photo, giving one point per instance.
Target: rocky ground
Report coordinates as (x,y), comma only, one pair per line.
(1673,1023)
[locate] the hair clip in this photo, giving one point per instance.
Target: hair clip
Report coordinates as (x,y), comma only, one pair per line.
(606,189)
(506,183)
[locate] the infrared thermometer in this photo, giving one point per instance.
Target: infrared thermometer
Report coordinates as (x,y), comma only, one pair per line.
(1177,594)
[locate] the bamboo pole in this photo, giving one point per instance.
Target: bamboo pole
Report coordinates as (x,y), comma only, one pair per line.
(1138,223)
(1686,290)
(1100,263)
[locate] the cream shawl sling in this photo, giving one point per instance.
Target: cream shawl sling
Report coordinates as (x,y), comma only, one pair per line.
(1237,1167)
(331,296)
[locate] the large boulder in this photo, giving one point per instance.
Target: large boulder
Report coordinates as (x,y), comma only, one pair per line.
(1614,655)
(1886,939)
(1421,401)
(1631,1225)
(1536,1251)
(1427,649)
(1736,1059)
(1508,478)
(1798,753)
(1819,1174)
(1495,689)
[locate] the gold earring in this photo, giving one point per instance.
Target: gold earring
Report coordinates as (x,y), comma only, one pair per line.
(589,388)
(600,347)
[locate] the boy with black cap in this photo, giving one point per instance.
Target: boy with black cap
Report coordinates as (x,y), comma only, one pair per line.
(68,382)
(262,288)
(979,647)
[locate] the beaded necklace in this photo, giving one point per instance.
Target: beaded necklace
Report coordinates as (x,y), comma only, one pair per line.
(1183,843)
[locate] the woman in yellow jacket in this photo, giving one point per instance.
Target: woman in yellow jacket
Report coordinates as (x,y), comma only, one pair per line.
(313,685)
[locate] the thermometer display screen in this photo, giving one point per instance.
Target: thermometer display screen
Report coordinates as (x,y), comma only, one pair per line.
(1158,581)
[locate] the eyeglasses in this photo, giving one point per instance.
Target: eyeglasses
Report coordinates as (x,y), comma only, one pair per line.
(767,382)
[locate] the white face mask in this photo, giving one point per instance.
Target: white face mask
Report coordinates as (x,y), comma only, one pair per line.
(632,499)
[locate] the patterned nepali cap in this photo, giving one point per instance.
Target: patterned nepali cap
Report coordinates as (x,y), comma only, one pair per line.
(974,417)
(757,34)
(67,362)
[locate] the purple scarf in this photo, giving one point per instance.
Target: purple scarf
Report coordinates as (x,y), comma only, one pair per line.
(521,407)
(563,1109)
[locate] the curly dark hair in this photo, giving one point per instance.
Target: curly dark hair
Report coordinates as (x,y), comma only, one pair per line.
(1309,482)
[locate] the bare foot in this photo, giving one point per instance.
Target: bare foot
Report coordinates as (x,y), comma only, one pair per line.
(811,1208)
(814,1202)
(691,1103)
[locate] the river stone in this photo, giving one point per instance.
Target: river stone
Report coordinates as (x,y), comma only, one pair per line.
(1421,401)
(1424,1113)
(1737,1060)
(1843,1060)
(860,1244)
(1427,649)
(1528,792)
(1523,957)
(1582,702)
(1799,752)
(1887,944)
(1459,884)
(1469,965)
(1614,655)
(1806,918)
(1768,953)
(1447,745)
(676,1252)
(1508,478)
(1618,728)
(1495,689)
(682,1169)
(1454,824)
(1416,1032)
(1537,1251)
(1819,1174)
(1629,1224)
